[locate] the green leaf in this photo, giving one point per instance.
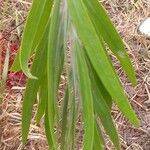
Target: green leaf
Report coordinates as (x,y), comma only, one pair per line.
(32,86)
(47,128)
(103,112)
(33,32)
(69,116)
(99,84)
(64,121)
(55,48)
(43,96)
(72,117)
(98,57)
(86,95)
(98,138)
(16,64)
(102,106)
(106,30)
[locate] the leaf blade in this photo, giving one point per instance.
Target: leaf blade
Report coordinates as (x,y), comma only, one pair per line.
(54,65)
(32,88)
(64,120)
(43,93)
(102,105)
(86,96)
(98,57)
(107,31)
(34,29)
(98,139)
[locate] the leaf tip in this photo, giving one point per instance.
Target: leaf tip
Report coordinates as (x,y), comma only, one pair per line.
(137,123)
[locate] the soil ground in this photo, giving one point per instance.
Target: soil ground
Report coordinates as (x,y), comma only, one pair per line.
(127,16)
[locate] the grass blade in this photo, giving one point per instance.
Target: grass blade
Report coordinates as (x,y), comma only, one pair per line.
(98,138)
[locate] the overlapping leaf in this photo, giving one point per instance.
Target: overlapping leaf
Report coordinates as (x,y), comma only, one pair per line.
(99,85)
(69,116)
(43,96)
(32,86)
(102,105)
(98,57)
(86,96)
(54,57)
(98,138)
(64,121)
(34,29)
(106,30)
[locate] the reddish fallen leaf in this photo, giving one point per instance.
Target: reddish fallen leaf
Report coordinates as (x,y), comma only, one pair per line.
(15,79)
(14,47)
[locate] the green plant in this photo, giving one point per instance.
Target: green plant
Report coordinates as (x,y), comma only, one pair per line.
(92,83)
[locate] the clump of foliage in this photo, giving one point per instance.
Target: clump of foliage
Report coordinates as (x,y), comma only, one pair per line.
(92,83)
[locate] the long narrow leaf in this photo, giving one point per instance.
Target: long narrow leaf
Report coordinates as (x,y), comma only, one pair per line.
(34,29)
(43,96)
(99,84)
(32,87)
(72,114)
(64,121)
(99,58)
(54,49)
(102,105)
(47,128)
(106,30)
(103,112)
(86,96)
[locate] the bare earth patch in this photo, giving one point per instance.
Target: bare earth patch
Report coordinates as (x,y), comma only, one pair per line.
(127,16)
